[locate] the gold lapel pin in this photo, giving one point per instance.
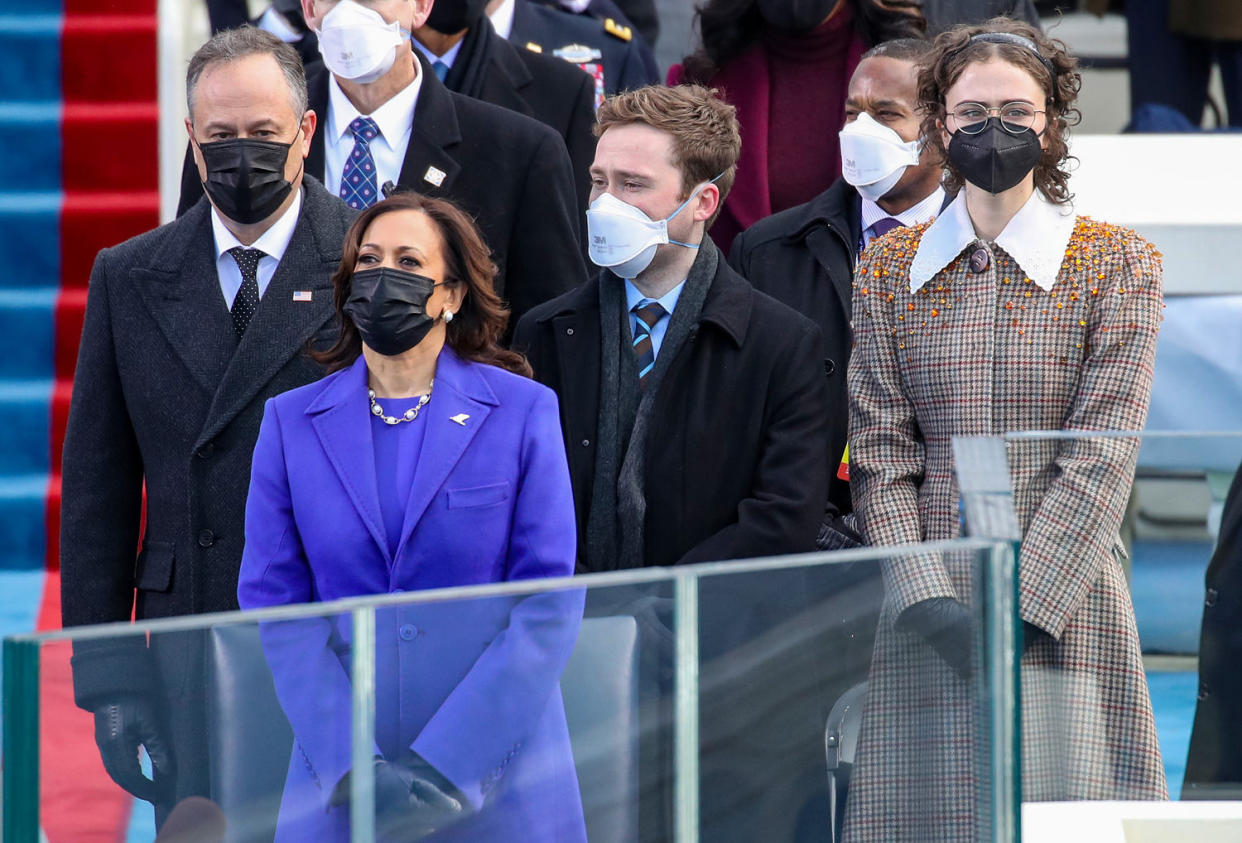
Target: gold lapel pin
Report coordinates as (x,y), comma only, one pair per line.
(460,418)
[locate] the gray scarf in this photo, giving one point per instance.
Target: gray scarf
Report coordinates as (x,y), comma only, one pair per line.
(618,502)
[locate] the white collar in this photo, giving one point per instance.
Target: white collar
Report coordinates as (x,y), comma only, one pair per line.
(1036,238)
(395,117)
(272,242)
(917,213)
(502,18)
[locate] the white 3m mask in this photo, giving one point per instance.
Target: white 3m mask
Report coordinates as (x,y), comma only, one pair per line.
(357,44)
(623,238)
(874,157)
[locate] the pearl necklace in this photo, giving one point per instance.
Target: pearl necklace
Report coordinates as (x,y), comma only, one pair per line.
(409,415)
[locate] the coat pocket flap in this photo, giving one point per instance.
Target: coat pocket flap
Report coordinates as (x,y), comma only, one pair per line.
(155,566)
(478,496)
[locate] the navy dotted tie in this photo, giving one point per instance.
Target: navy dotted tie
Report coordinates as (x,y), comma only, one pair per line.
(648,314)
(247,299)
(359,187)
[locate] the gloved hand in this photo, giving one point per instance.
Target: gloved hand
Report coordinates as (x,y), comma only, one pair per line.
(123,725)
(412,798)
(948,628)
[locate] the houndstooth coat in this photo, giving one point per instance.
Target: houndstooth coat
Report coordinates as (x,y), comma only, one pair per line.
(984,353)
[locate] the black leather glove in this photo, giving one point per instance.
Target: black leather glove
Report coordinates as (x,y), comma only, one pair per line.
(948,627)
(123,725)
(412,798)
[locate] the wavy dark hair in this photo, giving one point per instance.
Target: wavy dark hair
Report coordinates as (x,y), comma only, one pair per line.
(953,51)
(728,27)
(476,329)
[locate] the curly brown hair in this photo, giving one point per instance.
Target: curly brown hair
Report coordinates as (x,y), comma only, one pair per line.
(476,329)
(951,53)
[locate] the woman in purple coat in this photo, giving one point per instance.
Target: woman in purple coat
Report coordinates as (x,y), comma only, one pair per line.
(426,459)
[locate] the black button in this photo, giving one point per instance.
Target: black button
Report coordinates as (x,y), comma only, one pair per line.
(206,451)
(829,366)
(1210,600)
(979,259)
(206,538)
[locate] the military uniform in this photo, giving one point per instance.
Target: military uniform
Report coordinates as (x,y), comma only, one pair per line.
(611,53)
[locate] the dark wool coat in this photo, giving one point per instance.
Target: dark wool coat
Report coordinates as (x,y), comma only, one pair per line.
(984,354)
(804,257)
(735,465)
(1214,766)
(164,395)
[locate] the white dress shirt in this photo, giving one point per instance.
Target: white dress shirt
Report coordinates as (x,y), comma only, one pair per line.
(272,243)
(668,301)
(395,119)
(502,18)
(1036,237)
(916,214)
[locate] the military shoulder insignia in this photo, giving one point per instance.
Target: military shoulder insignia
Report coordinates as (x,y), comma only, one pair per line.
(533,47)
(617,30)
(578,53)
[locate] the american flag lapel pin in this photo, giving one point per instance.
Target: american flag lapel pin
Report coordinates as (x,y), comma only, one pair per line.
(303,295)
(434,175)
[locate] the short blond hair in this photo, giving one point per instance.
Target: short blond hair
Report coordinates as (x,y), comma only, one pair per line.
(706,141)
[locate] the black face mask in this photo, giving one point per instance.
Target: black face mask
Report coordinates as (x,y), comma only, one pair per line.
(795,15)
(450,17)
(995,159)
(389,307)
(246,177)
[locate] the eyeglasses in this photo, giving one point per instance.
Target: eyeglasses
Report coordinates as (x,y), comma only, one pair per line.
(1015,117)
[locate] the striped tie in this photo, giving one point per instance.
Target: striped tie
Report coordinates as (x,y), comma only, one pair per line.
(648,313)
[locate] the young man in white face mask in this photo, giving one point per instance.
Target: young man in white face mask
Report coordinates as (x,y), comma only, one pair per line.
(691,404)
(805,256)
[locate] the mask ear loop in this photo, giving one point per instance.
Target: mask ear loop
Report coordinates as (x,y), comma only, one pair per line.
(689,198)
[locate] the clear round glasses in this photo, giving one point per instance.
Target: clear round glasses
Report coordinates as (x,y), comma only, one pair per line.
(1015,117)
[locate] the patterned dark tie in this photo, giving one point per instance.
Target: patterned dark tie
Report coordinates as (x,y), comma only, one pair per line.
(359,187)
(247,299)
(881,227)
(647,313)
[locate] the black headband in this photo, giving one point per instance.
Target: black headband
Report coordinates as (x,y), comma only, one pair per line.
(1017,41)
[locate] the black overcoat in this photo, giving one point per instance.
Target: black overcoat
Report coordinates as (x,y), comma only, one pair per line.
(508,171)
(804,257)
(735,465)
(1214,765)
(165,395)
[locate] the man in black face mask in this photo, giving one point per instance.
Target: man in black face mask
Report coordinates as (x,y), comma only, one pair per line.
(189,330)
(472,59)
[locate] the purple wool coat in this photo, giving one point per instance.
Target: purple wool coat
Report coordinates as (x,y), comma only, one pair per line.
(471,686)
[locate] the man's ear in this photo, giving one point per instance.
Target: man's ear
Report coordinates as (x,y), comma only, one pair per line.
(310,120)
(422,11)
(195,151)
(706,202)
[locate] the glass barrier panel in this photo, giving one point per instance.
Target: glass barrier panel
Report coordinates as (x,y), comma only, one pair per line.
(730,701)
(1132,618)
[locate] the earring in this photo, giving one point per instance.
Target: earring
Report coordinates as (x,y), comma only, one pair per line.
(448,316)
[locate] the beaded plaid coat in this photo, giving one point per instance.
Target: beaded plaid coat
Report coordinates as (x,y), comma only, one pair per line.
(986,353)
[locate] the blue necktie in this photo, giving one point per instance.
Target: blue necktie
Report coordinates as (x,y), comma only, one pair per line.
(648,313)
(440,69)
(883,226)
(359,188)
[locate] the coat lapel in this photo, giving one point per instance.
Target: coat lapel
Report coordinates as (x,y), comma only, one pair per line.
(317,91)
(281,327)
(181,289)
(460,392)
(341,419)
(435,131)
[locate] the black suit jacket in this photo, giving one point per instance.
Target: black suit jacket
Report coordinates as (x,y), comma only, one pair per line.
(804,257)
(550,90)
(167,398)
(508,171)
(735,459)
(627,64)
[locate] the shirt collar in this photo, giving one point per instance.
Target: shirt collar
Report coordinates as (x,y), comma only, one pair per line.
(272,242)
(395,118)
(502,18)
(448,58)
(918,213)
(1036,237)
(668,301)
